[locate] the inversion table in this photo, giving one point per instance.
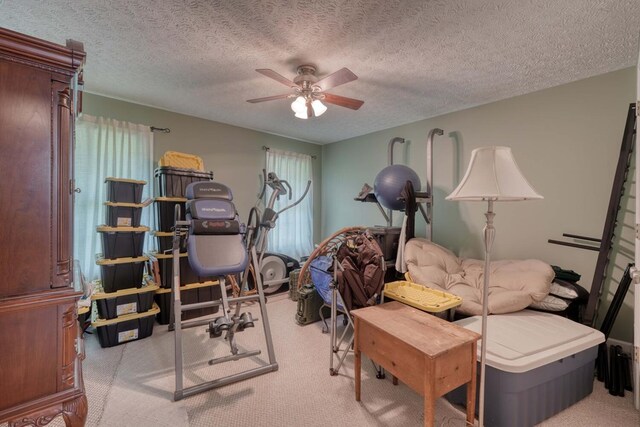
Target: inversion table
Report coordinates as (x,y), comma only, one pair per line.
(216,248)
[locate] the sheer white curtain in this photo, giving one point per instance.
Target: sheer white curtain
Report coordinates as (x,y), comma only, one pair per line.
(106,148)
(293,234)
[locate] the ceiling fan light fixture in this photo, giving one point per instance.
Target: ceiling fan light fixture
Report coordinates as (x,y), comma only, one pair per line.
(302,114)
(318,108)
(309,91)
(299,105)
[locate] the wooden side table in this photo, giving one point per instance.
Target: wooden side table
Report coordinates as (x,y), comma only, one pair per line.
(428,354)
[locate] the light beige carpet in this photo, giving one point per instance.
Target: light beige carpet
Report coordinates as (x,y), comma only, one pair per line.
(132,385)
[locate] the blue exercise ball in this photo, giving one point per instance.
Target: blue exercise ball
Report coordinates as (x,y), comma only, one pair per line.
(390,182)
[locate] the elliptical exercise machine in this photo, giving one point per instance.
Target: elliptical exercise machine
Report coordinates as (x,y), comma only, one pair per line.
(274,268)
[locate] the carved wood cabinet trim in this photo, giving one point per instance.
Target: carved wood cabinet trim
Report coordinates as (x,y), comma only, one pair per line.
(41,53)
(68,352)
(61,142)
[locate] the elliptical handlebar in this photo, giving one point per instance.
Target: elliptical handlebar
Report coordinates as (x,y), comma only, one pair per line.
(306,190)
(290,192)
(278,185)
(264,183)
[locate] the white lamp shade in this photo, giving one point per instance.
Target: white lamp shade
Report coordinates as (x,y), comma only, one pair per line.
(299,105)
(318,108)
(493,175)
(302,114)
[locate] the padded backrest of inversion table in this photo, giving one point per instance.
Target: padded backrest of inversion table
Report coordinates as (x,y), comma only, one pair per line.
(215,246)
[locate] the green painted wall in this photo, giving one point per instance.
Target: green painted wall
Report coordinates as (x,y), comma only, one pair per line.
(566,141)
(234,154)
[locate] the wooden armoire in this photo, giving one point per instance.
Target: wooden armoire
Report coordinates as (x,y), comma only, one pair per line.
(40,346)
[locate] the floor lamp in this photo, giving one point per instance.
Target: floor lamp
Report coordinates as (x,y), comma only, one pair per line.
(492,176)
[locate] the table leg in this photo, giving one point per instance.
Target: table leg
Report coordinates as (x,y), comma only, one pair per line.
(429,393)
(394,379)
(471,386)
(358,357)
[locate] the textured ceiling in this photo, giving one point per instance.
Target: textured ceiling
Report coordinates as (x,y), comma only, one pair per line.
(415,59)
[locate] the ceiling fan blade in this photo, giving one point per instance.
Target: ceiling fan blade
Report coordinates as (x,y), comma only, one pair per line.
(343,101)
(277,77)
(340,77)
(269,98)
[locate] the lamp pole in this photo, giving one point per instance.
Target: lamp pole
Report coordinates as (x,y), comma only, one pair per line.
(489,234)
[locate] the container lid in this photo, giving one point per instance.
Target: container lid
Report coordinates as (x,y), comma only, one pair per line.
(165,256)
(525,340)
(107,229)
(102,261)
(189,286)
(130,181)
(384,230)
(181,160)
(171,199)
(101,322)
(124,205)
(161,233)
(149,287)
(182,171)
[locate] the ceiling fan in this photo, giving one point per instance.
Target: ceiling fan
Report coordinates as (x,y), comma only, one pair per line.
(309,92)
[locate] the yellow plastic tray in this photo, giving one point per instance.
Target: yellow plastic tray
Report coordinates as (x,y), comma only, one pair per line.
(181,160)
(421,297)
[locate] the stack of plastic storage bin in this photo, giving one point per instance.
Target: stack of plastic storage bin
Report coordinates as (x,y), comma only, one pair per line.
(124,304)
(175,173)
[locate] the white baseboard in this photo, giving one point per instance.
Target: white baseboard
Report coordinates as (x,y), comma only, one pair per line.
(627,347)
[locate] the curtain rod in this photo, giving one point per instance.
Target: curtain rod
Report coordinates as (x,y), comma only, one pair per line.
(265,148)
(163,130)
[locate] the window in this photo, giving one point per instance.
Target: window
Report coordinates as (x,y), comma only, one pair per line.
(106,148)
(293,234)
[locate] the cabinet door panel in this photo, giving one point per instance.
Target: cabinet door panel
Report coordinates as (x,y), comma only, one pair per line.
(28,360)
(26,165)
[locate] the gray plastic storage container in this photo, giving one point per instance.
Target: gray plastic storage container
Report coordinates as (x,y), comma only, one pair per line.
(172,181)
(122,242)
(122,329)
(121,190)
(121,273)
(125,301)
(165,212)
(537,365)
(123,214)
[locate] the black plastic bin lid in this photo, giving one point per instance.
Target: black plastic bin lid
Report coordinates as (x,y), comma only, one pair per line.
(168,170)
